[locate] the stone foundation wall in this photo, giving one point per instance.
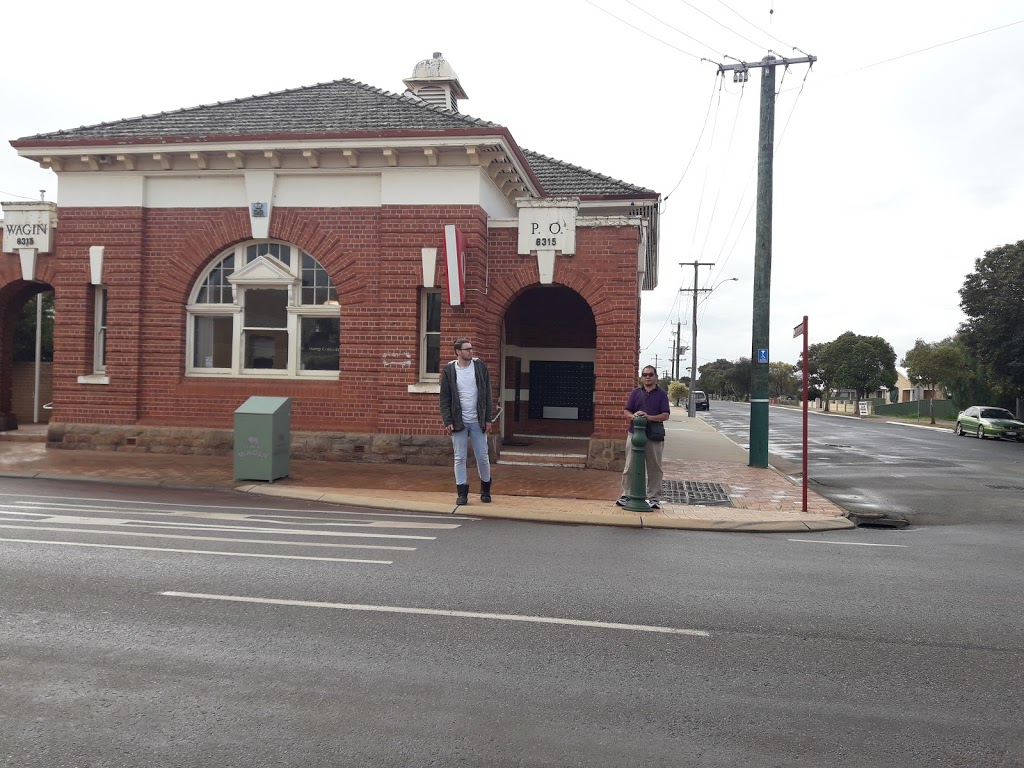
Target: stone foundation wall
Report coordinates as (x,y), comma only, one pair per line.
(607,454)
(319,446)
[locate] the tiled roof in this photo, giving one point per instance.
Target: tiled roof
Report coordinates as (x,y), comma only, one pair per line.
(334,108)
(559,178)
(338,107)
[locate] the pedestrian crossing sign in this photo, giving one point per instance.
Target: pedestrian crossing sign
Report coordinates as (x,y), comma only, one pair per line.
(762,355)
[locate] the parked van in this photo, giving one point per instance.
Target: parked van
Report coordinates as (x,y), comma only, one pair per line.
(700,401)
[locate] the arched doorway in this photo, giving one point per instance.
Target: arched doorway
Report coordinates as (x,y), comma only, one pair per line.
(549,354)
(25,386)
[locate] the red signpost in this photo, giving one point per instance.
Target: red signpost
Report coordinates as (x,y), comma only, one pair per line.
(798,331)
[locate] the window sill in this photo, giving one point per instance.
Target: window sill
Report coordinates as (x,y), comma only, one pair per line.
(94,378)
(425,388)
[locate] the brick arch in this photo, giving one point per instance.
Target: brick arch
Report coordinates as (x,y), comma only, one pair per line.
(199,246)
(14,292)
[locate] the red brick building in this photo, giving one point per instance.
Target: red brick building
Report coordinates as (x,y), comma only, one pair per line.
(302,244)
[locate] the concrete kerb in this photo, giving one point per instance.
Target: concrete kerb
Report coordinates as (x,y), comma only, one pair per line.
(568,511)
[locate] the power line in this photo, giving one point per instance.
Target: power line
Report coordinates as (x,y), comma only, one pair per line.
(696,146)
(762,31)
(923,50)
(937,45)
(707,169)
(723,26)
(645,32)
(674,29)
(725,170)
(23,197)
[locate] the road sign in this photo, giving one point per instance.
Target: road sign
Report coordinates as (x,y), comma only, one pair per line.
(762,355)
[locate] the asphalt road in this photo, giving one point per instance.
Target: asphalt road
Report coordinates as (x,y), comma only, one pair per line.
(157,627)
(928,476)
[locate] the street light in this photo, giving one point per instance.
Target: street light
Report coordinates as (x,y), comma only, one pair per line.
(691,409)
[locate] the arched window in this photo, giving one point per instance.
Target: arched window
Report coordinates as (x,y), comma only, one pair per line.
(267,309)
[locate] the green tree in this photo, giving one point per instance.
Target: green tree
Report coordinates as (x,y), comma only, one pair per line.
(821,373)
(714,377)
(992,297)
(782,380)
(862,363)
(942,364)
(25,331)
(726,379)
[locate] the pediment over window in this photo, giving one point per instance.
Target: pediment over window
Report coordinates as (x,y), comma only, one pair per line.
(263,271)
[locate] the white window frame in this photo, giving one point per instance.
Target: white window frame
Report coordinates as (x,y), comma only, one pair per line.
(265,271)
(99,335)
(99,338)
(424,374)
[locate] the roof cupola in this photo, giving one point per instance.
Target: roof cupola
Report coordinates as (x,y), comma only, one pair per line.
(435,82)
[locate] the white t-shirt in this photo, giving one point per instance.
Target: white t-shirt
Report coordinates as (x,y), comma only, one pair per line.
(466,380)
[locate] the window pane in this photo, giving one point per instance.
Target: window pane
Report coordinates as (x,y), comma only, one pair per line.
(101,330)
(266,308)
(320,343)
(266,349)
(216,289)
(431,334)
(317,287)
(211,342)
(433,362)
(433,312)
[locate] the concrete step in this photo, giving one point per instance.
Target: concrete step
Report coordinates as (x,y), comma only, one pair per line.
(539,459)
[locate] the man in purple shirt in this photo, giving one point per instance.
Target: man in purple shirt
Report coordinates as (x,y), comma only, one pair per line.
(651,402)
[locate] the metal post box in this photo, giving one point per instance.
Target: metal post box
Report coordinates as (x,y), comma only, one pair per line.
(263,438)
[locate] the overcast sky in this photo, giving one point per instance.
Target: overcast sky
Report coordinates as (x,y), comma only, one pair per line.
(896,167)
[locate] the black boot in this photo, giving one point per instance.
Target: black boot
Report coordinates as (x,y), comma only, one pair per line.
(463,497)
(485,491)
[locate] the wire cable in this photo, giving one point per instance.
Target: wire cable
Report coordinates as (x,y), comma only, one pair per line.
(707,169)
(644,32)
(23,197)
(696,146)
(725,170)
(937,45)
(922,50)
(762,31)
(723,26)
(675,29)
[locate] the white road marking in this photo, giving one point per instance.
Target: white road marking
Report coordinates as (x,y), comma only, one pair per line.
(253,510)
(275,542)
(845,543)
(183,526)
(439,612)
(196,551)
(36,506)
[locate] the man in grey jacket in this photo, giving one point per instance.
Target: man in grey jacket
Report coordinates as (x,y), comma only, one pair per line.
(466,413)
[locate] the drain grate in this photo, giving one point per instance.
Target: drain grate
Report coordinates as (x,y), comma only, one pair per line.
(691,492)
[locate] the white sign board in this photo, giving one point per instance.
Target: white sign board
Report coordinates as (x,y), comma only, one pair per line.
(29,225)
(547,228)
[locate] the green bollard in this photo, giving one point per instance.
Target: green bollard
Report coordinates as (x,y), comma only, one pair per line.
(638,471)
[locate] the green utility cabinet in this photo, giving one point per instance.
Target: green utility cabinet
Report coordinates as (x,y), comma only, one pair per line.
(263,438)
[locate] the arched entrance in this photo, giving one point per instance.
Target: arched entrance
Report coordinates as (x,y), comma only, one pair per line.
(21,400)
(549,353)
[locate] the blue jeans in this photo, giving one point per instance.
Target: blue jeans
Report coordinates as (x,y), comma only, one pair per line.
(460,442)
